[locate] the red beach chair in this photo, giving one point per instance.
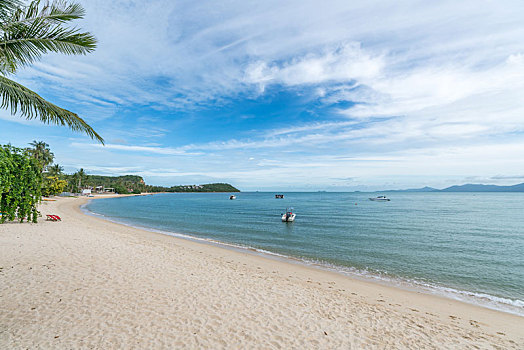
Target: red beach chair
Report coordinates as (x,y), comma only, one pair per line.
(53,218)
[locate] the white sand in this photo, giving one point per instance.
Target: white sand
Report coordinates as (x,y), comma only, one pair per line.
(87,283)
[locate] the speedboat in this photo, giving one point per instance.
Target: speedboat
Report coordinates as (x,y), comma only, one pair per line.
(380,199)
(232,197)
(289,216)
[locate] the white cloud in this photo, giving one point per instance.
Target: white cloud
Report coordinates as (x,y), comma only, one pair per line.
(342,64)
(135,148)
(433,82)
(203,52)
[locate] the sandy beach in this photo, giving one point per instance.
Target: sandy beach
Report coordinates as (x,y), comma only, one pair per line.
(86,283)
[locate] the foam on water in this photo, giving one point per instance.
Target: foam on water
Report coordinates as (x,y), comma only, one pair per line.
(362,271)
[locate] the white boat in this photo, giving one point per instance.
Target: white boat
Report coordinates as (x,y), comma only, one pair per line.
(232,197)
(289,216)
(380,199)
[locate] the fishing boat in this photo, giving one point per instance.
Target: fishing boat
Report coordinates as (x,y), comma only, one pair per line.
(380,199)
(289,216)
(279,196)
(232,197)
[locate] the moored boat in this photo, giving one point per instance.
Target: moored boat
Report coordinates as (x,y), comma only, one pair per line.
(380,199)
(289,216)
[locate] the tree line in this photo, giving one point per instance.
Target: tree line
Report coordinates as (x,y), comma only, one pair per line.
(27,174)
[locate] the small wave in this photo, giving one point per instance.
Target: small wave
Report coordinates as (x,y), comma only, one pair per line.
(513,306)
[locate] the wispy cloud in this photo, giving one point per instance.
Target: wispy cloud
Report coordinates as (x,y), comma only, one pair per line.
(269,91)
(143,149)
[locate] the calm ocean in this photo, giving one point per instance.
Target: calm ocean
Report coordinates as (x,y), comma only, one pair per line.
(468,246)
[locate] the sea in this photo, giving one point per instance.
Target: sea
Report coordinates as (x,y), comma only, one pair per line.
(465,246)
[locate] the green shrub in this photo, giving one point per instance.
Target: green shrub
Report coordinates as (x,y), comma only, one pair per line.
(20,184)
(121,189)
(53,186)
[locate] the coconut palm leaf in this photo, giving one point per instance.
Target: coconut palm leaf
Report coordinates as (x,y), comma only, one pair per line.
(55,170)
(58,11)
(30,105)
(33,31)
(41,153)
(7,7)
(28,32)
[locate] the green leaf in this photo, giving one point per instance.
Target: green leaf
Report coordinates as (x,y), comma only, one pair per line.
(33,31)
(28,32)
(30,105)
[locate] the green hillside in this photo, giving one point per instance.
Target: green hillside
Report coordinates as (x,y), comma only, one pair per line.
(136,184)
(215,187)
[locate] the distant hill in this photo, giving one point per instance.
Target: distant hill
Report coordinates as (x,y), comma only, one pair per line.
(485,188)
(469,188)
(136,184)
(110,181)
(215,187)
(423,189)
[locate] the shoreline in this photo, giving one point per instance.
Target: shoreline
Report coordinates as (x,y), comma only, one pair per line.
(207,295)
(483,300)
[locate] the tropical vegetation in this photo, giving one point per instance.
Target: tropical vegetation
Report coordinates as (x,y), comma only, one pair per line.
(26,33)
(20,184)
(41,152)
(28,174)
(135,184)
(213,187)
(53,185)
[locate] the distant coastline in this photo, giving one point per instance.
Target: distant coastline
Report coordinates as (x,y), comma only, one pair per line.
(214,187)
(467,188)
(127,184)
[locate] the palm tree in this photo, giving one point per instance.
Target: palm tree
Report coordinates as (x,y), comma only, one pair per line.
(73,181)
(41,153)
(55,170)
(28,32)
(80,175)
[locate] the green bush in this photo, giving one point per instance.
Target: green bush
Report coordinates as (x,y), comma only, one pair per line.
(53,186)
(121,189)
(20,184)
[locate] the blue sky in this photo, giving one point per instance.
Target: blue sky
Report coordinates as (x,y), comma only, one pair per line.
(297,95)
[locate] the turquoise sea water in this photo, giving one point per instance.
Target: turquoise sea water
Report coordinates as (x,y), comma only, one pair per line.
(468,246)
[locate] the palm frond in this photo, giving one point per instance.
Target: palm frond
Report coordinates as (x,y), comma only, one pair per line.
(30,105)
(58,11)
(7,7)
(33,31)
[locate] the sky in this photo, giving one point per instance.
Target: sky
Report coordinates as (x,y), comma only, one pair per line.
(291,95)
